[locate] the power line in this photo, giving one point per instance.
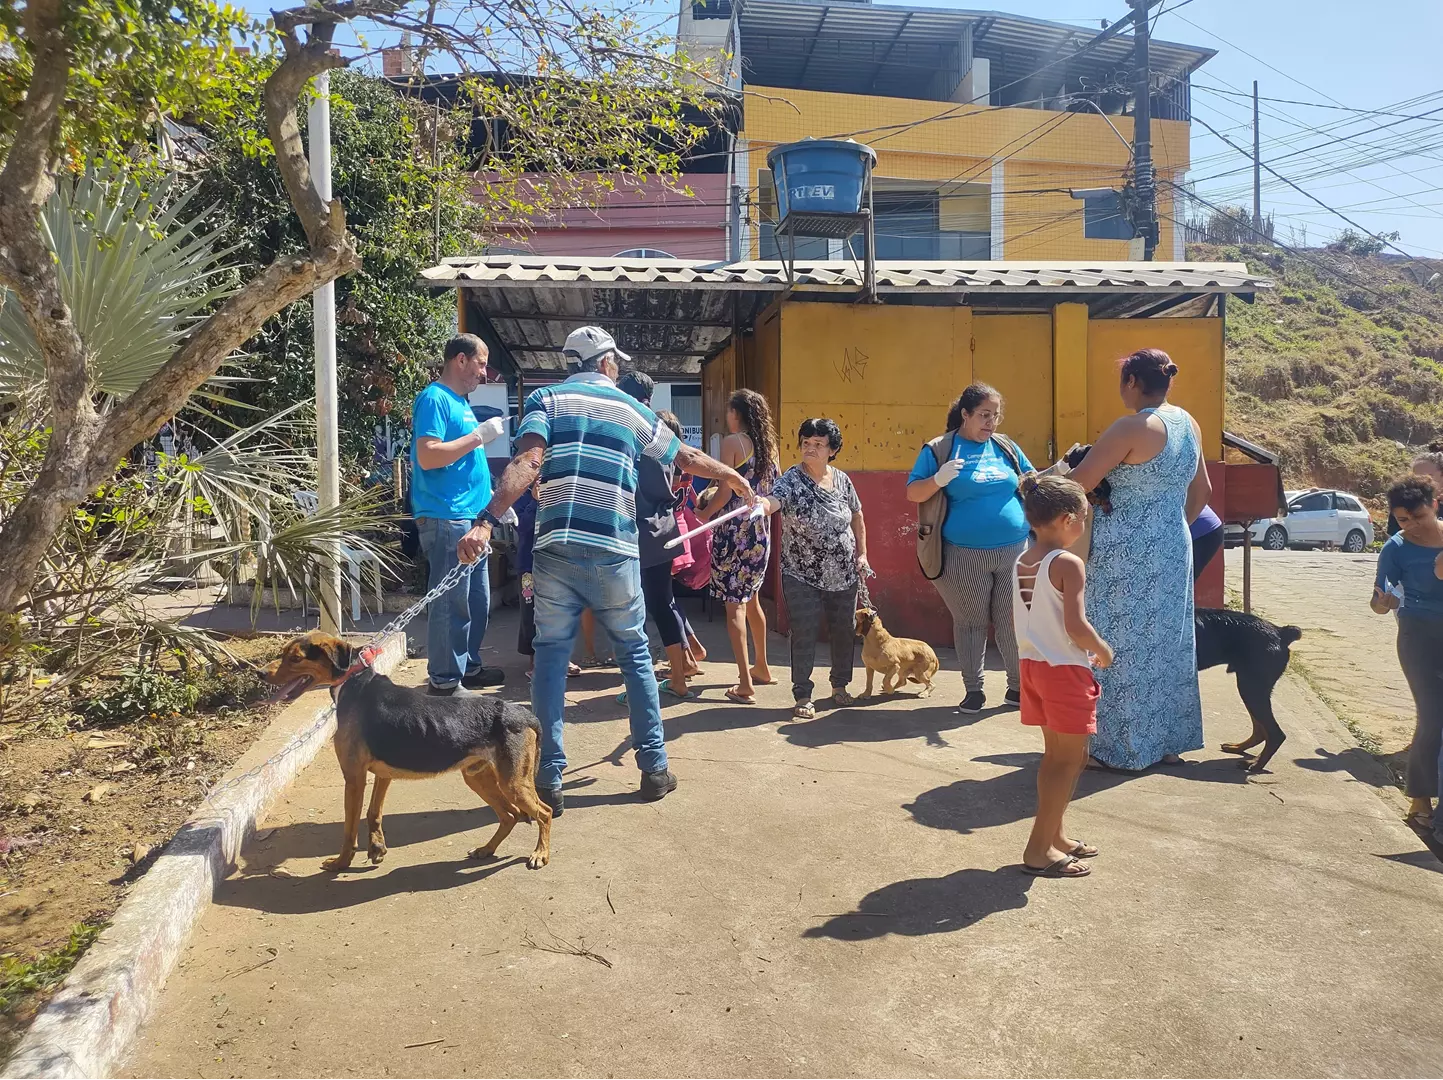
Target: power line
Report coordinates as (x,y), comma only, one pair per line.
(1259,59)
(1328,168)
(1308,104)
(897,129)
(1298,252)
(1308,194)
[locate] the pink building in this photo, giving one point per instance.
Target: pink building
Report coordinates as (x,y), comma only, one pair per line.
(640,218)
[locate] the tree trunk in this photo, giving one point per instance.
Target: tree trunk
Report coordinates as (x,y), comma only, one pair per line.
(85,448)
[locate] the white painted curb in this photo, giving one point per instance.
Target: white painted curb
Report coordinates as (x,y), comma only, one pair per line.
(86,1029)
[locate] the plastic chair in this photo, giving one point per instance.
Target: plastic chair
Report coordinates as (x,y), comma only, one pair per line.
(356,560)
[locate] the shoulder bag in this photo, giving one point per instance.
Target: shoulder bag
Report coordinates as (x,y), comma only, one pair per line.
(931,514)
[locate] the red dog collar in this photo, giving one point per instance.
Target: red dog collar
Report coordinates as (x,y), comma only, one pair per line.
(364,659)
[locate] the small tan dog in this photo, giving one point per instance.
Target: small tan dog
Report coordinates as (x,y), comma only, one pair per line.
(898,659)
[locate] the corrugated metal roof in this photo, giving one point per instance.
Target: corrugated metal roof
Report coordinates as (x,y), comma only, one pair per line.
(557,272)
(894,49)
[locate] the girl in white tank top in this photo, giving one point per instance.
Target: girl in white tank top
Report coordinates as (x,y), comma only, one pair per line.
(1037,615)
(1054,640)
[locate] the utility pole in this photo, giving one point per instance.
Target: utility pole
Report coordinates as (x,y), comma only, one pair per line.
(1143,182)
(1257,168)
(328,443)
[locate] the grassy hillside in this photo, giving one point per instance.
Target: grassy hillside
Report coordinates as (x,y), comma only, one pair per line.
(1339,367)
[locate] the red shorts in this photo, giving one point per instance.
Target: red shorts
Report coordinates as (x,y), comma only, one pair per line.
(1063,699)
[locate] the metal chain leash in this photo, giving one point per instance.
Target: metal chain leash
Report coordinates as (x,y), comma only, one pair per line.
(454,576)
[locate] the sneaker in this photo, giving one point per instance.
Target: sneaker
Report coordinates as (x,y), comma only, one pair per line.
(656,785)
(484,677)
(1013,697)
(553,798)
(449,691)
(974,702)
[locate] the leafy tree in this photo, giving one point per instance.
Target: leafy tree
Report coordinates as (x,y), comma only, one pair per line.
(408,202)
(87,79)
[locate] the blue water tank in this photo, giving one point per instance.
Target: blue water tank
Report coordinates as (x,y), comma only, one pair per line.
(820,176)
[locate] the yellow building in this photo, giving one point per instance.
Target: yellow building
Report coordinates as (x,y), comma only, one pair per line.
(1047,335)
(983,123)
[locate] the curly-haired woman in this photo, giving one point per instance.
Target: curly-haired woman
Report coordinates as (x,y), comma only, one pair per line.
(741,547)
(1408,583)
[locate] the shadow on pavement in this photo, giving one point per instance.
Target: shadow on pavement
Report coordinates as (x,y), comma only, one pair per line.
(322,891)
(1423,860)
(929,905)
(859,724)
(322,839)
(967,805)
(1358,763)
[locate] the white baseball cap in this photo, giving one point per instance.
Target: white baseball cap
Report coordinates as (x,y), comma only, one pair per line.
(589,342)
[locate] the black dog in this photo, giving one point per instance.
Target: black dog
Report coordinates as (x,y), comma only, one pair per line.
(1100,496)
(1255,651)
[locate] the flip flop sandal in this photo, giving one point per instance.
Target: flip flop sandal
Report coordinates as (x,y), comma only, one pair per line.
(1059,869)
(1083,850)
(572,671)
(804,710)
(842,698)
(665,687)
(738,699)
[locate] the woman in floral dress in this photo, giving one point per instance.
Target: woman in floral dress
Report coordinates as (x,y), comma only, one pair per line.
(741,547)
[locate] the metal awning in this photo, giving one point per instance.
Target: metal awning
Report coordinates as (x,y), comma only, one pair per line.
(673,313)
(893,50)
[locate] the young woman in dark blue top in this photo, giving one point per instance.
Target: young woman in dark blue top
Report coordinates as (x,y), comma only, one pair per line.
(1408,582)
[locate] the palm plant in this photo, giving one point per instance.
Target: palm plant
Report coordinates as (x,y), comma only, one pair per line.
(137,278)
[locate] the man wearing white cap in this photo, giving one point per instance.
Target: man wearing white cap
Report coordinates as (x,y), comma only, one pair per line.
(583,438)
(450,483)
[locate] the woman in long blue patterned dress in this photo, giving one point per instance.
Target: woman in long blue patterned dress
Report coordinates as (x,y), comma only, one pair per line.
(1139,575)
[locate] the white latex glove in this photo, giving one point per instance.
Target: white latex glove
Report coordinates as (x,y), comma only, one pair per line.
(492,429)
(947,471)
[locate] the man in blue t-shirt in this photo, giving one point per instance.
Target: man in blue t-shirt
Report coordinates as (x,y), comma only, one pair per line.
(450,485)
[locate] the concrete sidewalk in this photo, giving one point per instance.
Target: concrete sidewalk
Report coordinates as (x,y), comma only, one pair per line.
(833,898)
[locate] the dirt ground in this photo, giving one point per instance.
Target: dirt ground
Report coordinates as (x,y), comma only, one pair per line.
(836,897)
(1347,654)
(73,857)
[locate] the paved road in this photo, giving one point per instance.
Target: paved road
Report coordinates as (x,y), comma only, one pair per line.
(1348,653)
(833,898)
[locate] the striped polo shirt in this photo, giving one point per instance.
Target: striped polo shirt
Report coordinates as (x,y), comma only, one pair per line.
(595,434)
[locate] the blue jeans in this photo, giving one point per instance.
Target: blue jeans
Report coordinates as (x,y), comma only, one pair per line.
(455,622)
(567,579)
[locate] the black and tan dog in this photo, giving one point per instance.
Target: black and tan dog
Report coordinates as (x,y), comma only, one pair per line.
(400,733)
(898,659)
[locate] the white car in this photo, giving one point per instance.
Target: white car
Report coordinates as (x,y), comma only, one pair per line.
(1317,518)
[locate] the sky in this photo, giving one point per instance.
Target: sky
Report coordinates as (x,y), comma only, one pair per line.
(1384,172)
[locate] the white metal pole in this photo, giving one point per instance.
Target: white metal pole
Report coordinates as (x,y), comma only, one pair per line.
(328,446)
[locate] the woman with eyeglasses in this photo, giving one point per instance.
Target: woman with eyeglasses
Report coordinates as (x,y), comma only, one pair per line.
(974,469)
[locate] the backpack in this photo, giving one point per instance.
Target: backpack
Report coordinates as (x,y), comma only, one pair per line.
(930,514)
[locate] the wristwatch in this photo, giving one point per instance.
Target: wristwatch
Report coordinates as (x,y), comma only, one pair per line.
(486,517)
